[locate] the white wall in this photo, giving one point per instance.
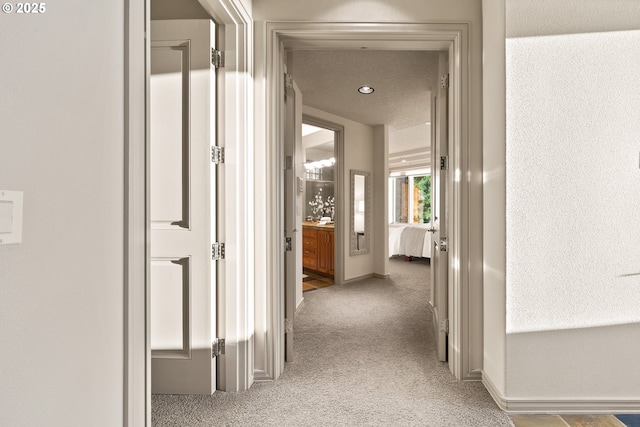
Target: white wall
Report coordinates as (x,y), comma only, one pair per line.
(572,180)
(358,154)
(61,290)
(189,9)
(367,10)
(380,200)
(177,9)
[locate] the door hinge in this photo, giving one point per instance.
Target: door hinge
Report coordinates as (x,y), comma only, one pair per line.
(444,163)
(217,155)
(288,244)
(288,81)
(444,81)
(217,251)
(217,347)
(288,162)
(444,326)
(288,326)
(217,58)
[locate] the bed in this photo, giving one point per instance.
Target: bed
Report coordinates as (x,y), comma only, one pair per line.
(412,240)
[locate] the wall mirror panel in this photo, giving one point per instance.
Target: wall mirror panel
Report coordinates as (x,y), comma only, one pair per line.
(360,230)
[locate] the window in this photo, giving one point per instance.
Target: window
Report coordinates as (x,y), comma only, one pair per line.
(410,199)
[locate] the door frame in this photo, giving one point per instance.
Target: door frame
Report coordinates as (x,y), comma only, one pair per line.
(338,185)
(235,131)
(465,314)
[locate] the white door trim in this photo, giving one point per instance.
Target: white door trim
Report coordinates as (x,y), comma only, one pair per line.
(137,354)
(237,132)
(338,149)
(270,36)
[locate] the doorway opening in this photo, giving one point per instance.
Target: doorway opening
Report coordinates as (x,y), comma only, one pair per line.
(409,193)
(464,315)
(319,198)
(401,105)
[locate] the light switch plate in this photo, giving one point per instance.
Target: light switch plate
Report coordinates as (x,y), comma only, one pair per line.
(300,185)
(10,217)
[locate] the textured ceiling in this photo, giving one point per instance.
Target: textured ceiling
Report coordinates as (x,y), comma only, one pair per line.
(402,80)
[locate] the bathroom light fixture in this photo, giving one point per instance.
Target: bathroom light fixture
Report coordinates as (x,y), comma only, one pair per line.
(320,164)
(365,90)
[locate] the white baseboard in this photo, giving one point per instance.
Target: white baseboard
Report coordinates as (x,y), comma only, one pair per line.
(561,405)
(357,279)
(261,376)
(366,276)
(493,391)
(475,375)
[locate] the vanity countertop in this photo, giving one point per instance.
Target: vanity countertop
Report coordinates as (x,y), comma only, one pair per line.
(317,226)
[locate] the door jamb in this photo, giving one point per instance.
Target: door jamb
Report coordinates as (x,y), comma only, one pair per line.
(136,345)
(338,149)
(237,324)
(390,36)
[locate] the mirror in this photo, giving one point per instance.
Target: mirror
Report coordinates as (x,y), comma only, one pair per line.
(360,213)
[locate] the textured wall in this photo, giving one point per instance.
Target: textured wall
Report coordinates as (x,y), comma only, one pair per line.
(553,17)
(572,206)
(573,180)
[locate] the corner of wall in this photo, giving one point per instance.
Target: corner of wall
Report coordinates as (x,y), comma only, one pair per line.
(380,229)
(494,197)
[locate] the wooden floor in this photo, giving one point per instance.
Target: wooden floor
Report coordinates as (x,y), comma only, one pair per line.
(576,420)
(312,281)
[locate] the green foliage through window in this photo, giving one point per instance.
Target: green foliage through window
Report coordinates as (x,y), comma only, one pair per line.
(423,184)
(410,199)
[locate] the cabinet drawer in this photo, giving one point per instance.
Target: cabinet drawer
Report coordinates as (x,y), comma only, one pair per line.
(310,261)
(309,234)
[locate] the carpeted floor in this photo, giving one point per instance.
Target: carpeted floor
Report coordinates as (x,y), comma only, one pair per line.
(364,356)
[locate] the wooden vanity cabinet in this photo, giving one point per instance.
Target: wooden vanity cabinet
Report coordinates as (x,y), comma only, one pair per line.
(325,251)
(310,248)
(317,250)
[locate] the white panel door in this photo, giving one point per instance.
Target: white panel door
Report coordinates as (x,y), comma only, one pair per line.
(182,207)
(439,189)
(293,208)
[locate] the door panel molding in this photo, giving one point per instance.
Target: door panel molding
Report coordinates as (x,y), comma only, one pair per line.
(181,266)
(170,195)
(173,300)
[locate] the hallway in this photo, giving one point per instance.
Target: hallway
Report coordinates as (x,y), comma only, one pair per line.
(364,356)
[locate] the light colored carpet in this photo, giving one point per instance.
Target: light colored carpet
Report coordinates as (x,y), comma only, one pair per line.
(364,356)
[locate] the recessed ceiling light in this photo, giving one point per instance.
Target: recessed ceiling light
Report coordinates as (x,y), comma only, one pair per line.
(365,90)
